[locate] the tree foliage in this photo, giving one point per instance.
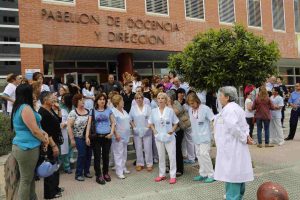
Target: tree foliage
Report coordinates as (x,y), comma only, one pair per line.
(225,57)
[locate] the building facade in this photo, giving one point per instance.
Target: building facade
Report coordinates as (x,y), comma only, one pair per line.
(9,38)
(91,38)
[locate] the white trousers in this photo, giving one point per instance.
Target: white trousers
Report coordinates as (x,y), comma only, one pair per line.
(154,148)
(139,142)
(276,132)
(120,156)
(171,150)
(204,160)
(188,147)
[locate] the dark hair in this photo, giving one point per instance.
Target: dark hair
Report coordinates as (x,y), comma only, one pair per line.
(76,98)
(67,100)
(277,89)
(127,83)
(23,96)
(191,91)
(70,79)
(280,77)
(44,95)
(138,77)
(98,97)
(146,82)
(36,76)
(179,91)
(174,73)
(84,85)
(159,85)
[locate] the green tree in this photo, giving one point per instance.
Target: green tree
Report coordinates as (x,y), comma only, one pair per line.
(225,57)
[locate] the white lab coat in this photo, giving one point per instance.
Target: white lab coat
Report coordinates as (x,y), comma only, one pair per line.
(64,148)
(142,134)
(233,161)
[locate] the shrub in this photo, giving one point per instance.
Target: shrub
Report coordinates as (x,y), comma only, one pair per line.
(6,135)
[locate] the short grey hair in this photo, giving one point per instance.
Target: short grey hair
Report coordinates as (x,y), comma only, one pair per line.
(171,94)
(231,92)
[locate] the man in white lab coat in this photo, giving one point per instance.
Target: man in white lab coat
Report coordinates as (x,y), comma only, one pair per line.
(233,161)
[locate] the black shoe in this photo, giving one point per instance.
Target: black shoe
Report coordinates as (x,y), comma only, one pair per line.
(60,189)
(178,174)
(288,139)
(88,175)
(134,163)
(55,196)
(107,178)
(100,180)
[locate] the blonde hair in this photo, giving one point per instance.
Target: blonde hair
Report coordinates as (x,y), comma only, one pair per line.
(36,89)
(112,93)
(163,95)
(137,95)
(263,93)
(194,98)
(154,92)
(116,99)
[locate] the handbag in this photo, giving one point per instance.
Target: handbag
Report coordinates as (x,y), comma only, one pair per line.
(93,133)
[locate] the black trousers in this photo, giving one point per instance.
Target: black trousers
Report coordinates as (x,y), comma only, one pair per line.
(51,183)
(179,157)
(101,146)
(293,122)
(282,114)
(251,125)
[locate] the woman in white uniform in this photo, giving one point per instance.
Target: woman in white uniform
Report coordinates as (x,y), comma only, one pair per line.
(233,161)
(88,95)
(163,122)
(276,132)
(121,136)
(201,116)
(139,115)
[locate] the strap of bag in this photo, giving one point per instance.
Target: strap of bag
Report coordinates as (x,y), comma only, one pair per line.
(93,121)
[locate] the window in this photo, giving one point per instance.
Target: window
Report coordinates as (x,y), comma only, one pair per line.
(7,19)
(194,9)
(226,11)
(60,1)
(119,4)
(254,13)
(157,6)
(278,15)
(297,15)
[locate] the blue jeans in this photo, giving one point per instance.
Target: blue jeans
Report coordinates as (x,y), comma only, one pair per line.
(266,123)
(235,191)
(84,157)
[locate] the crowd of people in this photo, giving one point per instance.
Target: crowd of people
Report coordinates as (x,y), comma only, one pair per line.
(161,115)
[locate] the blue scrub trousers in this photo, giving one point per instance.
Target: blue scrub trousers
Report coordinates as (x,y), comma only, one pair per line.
(235,191)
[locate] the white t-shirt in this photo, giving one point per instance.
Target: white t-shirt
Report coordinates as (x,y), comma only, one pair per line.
(45,88)
(277,101)
(135,85)
(10,90)
(248,113)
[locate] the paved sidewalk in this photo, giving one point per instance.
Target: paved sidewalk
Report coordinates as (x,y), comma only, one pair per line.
(280,164)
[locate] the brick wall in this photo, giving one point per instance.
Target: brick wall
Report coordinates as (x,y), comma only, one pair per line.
(38,30)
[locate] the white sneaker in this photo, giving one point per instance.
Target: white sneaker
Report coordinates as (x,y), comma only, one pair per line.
(281,143)
(126,171)
(114,168)
(121,176)
(155,160)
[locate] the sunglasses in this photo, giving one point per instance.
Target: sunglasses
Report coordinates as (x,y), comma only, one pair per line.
(130,85)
